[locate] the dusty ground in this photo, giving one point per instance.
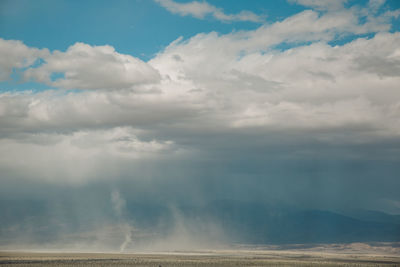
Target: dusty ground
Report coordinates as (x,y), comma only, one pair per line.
(210,258)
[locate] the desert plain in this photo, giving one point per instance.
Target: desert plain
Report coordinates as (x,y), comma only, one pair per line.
(321,256)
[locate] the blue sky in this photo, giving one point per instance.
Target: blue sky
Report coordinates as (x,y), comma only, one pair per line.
(131,106)
(139,28)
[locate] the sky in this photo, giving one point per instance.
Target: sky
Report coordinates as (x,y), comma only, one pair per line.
(106,107)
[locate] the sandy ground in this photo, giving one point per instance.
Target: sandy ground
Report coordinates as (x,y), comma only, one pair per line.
(204,258)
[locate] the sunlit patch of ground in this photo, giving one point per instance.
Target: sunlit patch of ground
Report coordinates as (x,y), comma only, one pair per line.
(241,257)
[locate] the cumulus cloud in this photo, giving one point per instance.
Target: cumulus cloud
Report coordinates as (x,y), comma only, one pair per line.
(16,55)
(80,67)
(201,9)
(92,67)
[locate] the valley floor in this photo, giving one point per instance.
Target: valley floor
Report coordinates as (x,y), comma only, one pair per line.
(203,258)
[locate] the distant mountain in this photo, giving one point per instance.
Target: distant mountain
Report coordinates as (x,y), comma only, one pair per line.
(280,224)
(374,216)
(257,223)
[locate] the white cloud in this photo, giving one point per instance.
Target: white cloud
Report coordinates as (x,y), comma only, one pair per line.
(202,9)
(310,86)
(16,55)
(321,4)
(92,67)
(375,5)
